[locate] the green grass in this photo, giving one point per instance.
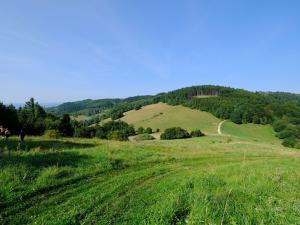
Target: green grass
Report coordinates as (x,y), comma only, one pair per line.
(254,132)
(163,116)
(207,180)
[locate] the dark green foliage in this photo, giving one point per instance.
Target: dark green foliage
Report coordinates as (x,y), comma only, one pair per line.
(140,130)
(138,107)
(287,133)
(175,133)
(236,117)
(118,130)
(100,133)
(65,127)
(197,133)
(116,115)
(34,120)
(148,130)
(280,125)
(118,135)
(9,118)
(85,132)
(289,142)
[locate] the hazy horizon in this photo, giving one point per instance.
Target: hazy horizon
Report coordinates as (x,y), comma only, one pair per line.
(59,51)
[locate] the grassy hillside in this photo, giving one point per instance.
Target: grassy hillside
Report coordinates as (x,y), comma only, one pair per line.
(164,116)
(254,132)
(209,180)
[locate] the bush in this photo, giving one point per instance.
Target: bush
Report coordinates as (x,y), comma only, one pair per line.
(51,134)
(100,133)
(138,107)
(117,135)
(84,132)
(289,142)
(116,115)
(285,134)
(279,125)
(65,127)
(174,133)
(236,117)
(197,133)
(140,130)
(148,130)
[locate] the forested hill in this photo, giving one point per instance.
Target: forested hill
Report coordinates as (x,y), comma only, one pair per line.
(282,110)
(90,107)
(84,107)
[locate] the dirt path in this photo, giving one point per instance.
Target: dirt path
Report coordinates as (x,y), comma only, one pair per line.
(220,127)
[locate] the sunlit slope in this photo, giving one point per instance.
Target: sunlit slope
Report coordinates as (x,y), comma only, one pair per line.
(253,132)
(163,116)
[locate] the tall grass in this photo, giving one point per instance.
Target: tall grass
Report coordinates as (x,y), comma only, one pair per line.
(207,180)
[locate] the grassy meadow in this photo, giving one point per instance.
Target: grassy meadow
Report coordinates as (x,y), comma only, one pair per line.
(229,179)
(162,116)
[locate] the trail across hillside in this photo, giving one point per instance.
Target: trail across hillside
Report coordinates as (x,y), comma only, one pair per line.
(220,127)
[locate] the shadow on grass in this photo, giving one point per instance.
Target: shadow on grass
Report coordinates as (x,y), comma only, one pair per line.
(43,159)
(30,144)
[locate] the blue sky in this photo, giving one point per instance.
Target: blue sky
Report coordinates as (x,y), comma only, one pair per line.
(62,50)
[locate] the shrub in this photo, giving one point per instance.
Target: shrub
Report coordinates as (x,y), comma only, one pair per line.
(236,117)
(100,133)
(197,133)
(279,125)
(51,134)
(175,133)
(140,130)
(117,135)
(148,130)
(65,127)
(84,132)
(137,107)
(289,142)
(285,134)
(116,115)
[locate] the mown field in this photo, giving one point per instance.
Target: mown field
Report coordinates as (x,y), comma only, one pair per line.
(230,179)
(163,116)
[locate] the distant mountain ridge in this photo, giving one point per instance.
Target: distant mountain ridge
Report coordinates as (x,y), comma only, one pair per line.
(90,107)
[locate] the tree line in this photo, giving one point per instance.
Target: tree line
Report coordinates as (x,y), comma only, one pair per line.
(34,120)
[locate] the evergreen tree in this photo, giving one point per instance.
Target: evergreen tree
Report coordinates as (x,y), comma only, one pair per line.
(65,127)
